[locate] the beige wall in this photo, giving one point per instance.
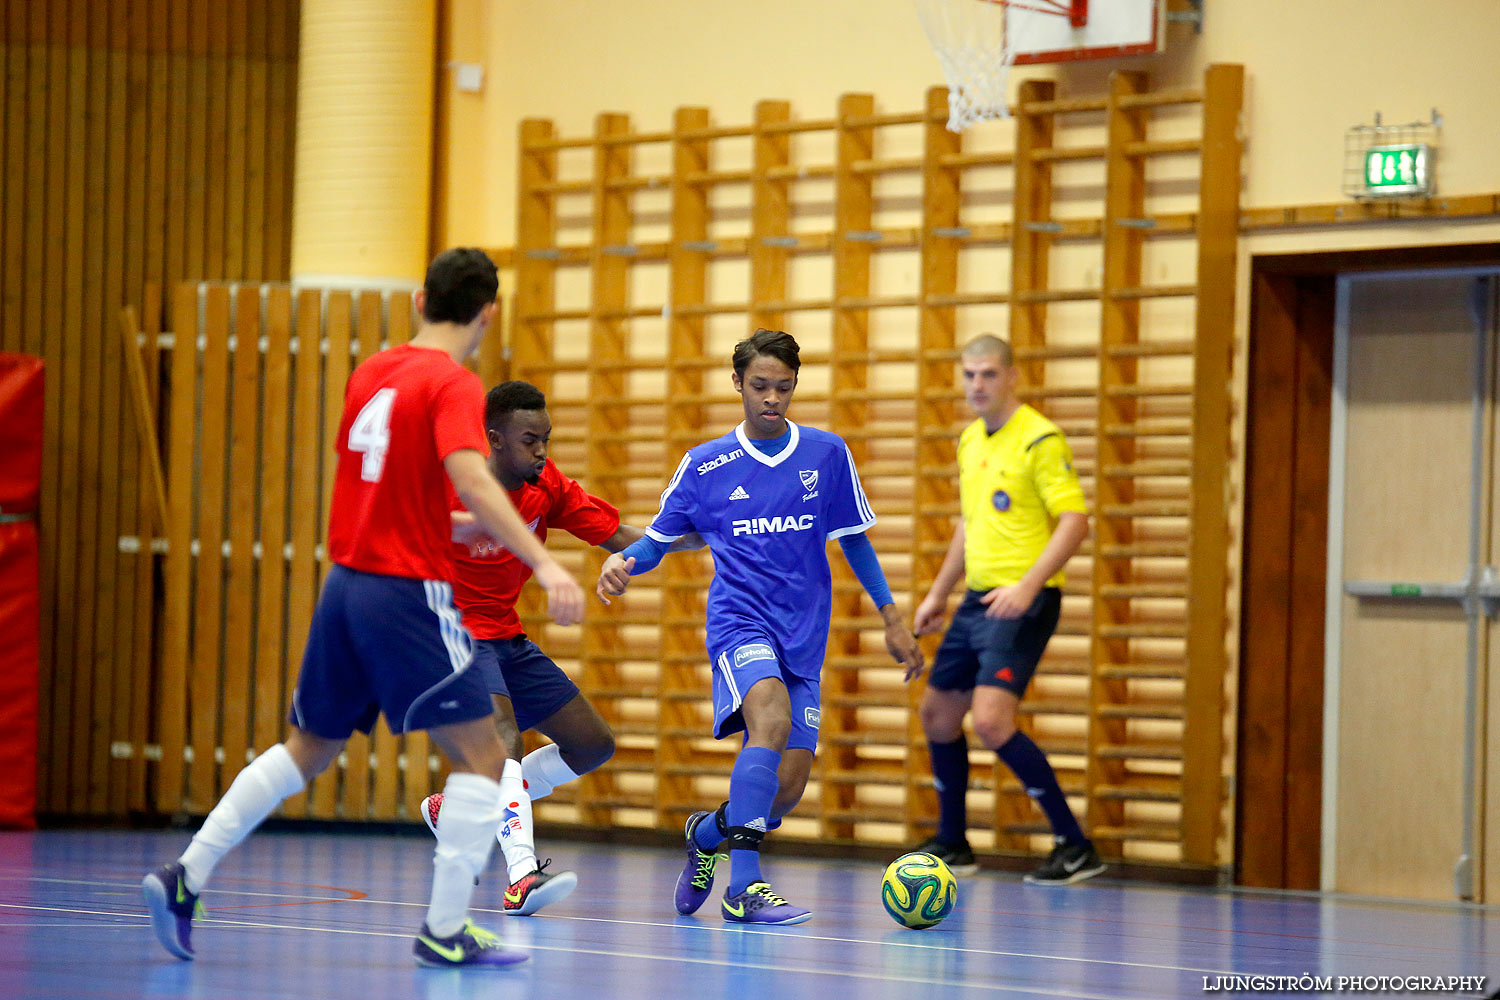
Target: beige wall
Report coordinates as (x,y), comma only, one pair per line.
(1313,70)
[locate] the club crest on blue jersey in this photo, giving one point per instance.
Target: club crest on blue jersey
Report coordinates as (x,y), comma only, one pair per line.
(809,483)
(1001,500)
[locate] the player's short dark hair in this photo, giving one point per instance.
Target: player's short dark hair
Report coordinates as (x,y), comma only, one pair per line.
(459,283)
(773,343)
(507,397)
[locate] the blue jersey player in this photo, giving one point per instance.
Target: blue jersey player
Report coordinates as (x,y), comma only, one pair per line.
(767,498)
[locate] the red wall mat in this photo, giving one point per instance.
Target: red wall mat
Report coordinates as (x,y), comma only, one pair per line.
(21,389)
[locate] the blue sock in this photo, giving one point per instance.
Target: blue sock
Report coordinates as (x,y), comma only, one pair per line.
(1027,761)
(950,775)
(708,834)
(752,789)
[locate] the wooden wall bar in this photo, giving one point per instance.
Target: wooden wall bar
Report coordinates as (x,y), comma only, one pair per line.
(142,142)
(1116,337)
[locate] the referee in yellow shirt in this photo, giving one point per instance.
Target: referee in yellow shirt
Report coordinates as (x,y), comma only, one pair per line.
(1024,516)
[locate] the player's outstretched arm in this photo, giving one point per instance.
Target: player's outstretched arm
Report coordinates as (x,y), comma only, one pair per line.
(484,498)
(929,614)
(629,534)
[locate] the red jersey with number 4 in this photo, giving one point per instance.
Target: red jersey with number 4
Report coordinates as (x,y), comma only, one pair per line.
(486,584)
(405,410)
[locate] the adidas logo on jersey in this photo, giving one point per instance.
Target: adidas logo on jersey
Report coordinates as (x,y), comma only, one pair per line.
(722,459)
(739,494)
(772,525)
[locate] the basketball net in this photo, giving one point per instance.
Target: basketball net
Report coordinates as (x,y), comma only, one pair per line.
(976,53)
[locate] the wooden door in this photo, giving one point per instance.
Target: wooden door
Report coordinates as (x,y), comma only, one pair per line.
(1412,406)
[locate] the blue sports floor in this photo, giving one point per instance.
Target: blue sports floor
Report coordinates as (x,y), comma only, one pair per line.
(308,915)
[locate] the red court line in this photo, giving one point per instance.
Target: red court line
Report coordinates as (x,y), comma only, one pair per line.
(352,894)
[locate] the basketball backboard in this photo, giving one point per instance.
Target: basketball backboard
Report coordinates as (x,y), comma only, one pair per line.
(978,41)
(1042,31)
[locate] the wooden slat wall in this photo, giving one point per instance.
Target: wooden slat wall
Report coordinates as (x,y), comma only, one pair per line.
(142,142)
(258,388)
(1109,273)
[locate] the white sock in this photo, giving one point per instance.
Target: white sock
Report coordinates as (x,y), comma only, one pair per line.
(471,808)
(256,790)
(544,770)
(514,832)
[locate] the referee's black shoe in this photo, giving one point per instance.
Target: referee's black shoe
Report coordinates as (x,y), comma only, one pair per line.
(1068,863)
(958,857)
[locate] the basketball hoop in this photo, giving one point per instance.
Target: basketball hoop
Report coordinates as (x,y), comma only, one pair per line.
(977,51)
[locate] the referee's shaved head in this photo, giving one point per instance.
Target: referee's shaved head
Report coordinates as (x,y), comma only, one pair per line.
(988,345)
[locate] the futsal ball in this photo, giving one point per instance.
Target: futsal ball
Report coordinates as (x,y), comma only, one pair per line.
(919,890)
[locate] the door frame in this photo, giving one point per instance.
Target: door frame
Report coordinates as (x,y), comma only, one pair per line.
(1282,705)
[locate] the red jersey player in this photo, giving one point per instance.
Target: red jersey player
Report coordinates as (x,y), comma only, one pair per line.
(529,690)
(386,636)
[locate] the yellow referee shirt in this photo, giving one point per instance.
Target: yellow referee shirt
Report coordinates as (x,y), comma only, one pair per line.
(1013,484)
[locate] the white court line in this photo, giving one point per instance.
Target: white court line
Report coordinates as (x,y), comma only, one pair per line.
(916,945)
(569,950)
(218,890)
(801,936)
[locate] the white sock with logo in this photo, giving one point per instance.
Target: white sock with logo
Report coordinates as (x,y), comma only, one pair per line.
(471,809)
(256,791)
(544,769)
(514,831)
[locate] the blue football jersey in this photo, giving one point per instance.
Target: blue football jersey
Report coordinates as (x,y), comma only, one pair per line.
(767,520)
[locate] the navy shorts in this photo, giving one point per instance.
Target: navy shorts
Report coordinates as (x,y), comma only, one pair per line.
(1000,652)
(746,657)
(520,671)
(386,644)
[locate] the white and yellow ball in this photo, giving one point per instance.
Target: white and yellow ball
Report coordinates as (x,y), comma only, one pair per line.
(919,890)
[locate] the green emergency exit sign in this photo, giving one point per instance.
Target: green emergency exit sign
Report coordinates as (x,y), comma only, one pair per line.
(1398,170)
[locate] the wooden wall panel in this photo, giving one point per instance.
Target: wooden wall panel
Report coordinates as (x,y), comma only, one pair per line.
(257,395)
(46,277)
(110,634)
(1309,575)
(17,55)
(142,141)
(141,581)
(244,408)
(205,662)
(302,577)
(1279,818)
